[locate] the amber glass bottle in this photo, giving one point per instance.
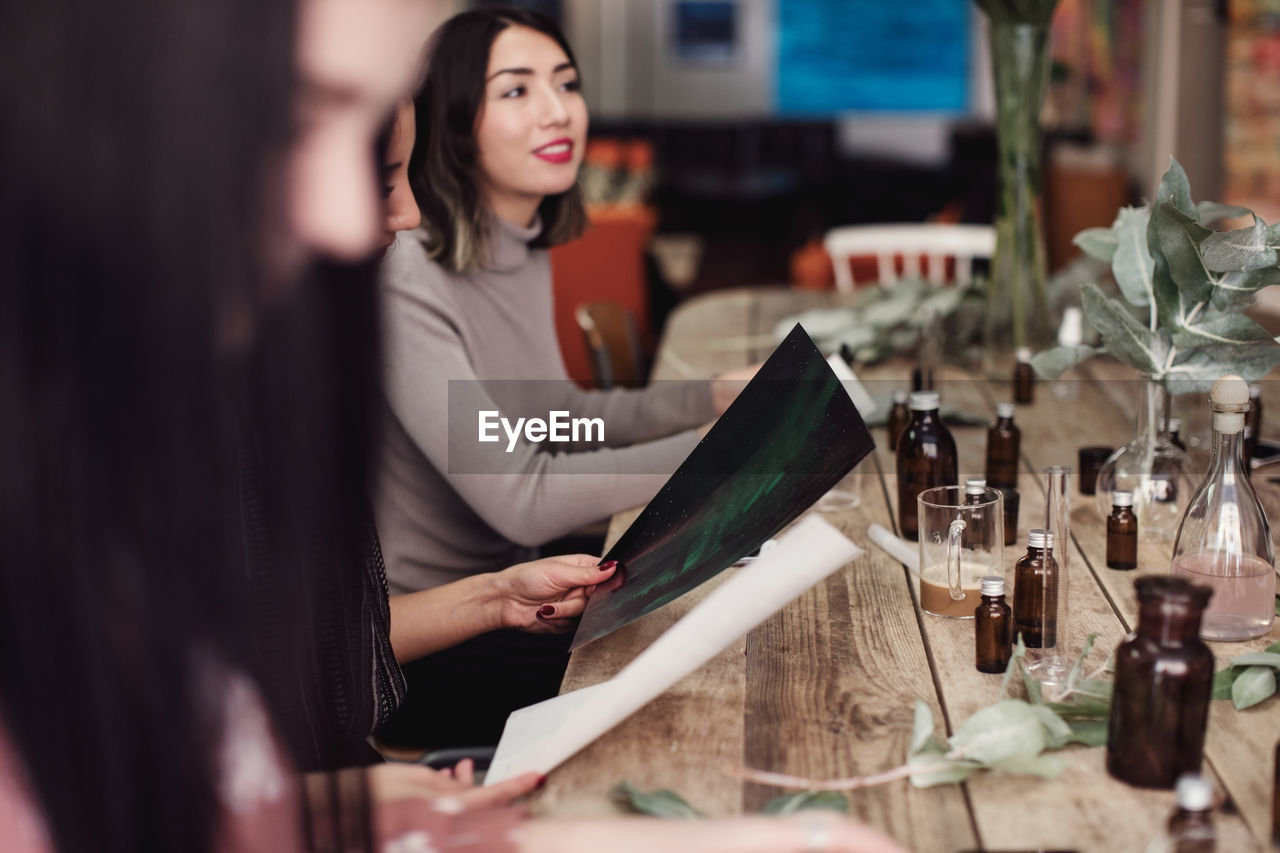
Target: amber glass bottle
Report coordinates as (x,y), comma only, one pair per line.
(1023,377)
(1011,502)
(1191,824)
(926,458)
(1122,533)
(1252,424)
(1175,433)
(899,416)
(1164,677)
(1004,441)
(1035,593)
(993,628)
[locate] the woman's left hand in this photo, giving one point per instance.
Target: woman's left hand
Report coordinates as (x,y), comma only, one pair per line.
(547,595)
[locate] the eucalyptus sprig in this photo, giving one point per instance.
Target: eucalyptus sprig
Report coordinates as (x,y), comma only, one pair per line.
(1184,288)
(1249,678)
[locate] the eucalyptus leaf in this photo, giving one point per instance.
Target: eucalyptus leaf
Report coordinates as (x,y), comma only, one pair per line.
(1222,682)
(1274,647)
(932,767)
(1089,732)
(1008,728)
(1240,251)
(1267,658)
(1175,188)
(803,800)
(1211,212)
(1252,686)
(1046,766)
(1125,338)
(1078,667)
(1052,363)
(1132,264)
(1192,370)
(1220,330)
(1180,236)
(660,803)
(1099,243)
(1238,289)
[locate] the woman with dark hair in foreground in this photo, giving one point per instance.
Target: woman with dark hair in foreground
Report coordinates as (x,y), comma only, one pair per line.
(171,169)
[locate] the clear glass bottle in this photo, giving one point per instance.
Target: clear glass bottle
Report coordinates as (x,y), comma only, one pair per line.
(1122,533)
(1224,540)
(993,628)
(1023,377)
(926,457)
(899,416)
(1163,681)
(1004,441)
(1035,592)
(1151,467)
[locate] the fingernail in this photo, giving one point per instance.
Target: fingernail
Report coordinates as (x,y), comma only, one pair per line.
(542,782)
(604,567)
(546,610)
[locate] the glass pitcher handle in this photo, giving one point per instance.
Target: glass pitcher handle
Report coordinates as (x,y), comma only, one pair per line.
(953,559)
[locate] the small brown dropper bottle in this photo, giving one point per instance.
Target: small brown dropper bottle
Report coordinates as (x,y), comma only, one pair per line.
(1023,377)
(993,628)
(1035,592)
(1191,824)
(1122,533)
(1004,441)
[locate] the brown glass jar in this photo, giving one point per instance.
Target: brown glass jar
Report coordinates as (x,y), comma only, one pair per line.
(1023,377)
(1004,441)
(899,416)
(993,628)
(1164,677)
(1035,593)
(926,457)
(1122,533)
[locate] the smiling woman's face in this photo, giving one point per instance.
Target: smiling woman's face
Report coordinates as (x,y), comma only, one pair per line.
(532,125)
(356,60)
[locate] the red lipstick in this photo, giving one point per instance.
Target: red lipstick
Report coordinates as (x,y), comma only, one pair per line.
(556,151)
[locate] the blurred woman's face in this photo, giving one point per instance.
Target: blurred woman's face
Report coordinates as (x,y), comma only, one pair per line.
(356,60)
(532,125)
(399,208)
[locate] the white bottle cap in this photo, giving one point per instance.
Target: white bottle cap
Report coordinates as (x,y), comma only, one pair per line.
(1255,391)
(1023,354)
(975,485)
(1005,410)
(1195,794)
(924,401)
(993,586)
(1175,425)
(1122,498)
(1229,399)
(1040,538)
(1071,332)
(900,395)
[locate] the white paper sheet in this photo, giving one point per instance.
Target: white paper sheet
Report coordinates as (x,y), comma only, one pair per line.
(541,737)
(907,553)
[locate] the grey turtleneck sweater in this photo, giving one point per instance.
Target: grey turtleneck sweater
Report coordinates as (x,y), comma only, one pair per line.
(448,505)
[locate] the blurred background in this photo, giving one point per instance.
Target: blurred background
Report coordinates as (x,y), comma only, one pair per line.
(728,136)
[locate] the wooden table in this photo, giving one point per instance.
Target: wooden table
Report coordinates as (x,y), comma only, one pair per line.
(826,687)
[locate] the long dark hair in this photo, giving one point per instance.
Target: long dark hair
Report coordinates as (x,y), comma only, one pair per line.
(444,166)
(134,145)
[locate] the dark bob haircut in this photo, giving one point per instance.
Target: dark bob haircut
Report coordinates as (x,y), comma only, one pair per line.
(443,168)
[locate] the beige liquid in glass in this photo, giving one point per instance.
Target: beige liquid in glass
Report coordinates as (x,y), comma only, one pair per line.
(937,600)
(1244,600)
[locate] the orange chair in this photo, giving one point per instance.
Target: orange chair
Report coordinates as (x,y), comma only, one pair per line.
(609,331)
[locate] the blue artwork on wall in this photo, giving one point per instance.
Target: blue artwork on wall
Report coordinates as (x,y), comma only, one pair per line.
(872,55)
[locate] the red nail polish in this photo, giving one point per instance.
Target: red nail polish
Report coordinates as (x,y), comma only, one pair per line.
(604,567)
(546,610)
(542,782)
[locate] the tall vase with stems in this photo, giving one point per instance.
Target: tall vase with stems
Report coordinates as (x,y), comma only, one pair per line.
(1150,466)
(1017,305)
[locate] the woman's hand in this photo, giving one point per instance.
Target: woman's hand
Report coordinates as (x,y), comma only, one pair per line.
(726,386)
(452,789)
(545,596)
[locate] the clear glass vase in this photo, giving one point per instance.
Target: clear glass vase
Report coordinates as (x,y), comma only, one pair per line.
(1017,301)
(1152,468)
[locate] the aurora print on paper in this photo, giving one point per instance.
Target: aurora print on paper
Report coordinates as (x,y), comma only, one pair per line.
(791,435)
